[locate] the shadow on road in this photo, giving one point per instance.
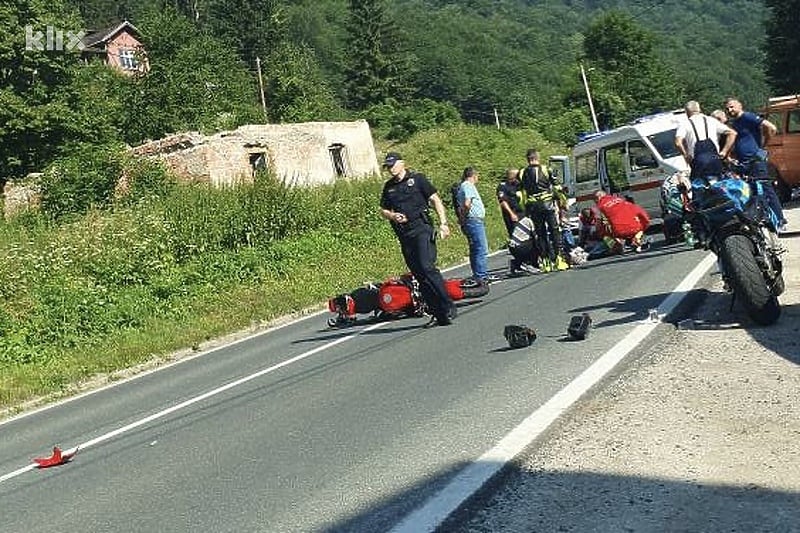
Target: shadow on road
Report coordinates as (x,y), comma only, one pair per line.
(782,338)
(544,501)
(633,309)
(711,311)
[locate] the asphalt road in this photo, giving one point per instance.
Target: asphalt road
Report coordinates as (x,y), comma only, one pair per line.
(308,429)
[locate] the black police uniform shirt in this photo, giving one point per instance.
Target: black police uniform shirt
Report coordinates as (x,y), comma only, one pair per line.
(408,196)
(507,192)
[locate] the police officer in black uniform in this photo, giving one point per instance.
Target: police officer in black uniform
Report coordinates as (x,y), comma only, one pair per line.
(404,202)
(509,196)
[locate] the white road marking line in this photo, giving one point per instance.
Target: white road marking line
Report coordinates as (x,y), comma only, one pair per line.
(18,472)
(188,358)
(431,514)
(159,368)
(196,399)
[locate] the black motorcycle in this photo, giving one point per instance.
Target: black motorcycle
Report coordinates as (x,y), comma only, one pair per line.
(730,217)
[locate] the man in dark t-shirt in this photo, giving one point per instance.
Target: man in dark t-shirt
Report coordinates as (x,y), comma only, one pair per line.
(753,132)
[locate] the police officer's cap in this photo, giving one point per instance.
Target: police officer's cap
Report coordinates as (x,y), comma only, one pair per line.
(391,159)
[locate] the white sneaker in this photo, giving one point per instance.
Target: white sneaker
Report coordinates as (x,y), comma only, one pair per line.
(530,269)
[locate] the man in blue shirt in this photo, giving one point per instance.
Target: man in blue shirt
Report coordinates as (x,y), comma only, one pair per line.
(471,215)
(752,133)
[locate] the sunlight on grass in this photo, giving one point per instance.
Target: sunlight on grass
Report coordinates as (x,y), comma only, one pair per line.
(85,298)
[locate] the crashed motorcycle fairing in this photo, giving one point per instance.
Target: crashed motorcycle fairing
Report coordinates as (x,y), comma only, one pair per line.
(396,297)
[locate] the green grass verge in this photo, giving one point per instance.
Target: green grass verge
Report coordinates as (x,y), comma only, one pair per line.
(130,286)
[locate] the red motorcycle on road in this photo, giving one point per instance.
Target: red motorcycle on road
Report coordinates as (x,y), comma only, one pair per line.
(396,297)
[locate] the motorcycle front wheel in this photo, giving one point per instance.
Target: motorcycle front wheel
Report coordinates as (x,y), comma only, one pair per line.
(779,286)
(747,281)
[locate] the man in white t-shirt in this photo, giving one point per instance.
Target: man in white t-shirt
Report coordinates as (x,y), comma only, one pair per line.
(698,141)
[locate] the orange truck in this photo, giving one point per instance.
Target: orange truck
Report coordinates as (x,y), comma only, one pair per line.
(784,147)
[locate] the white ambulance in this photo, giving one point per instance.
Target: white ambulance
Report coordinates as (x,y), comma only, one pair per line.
(632,160)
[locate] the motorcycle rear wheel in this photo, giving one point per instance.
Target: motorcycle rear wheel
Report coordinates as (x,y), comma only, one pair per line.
(747,281)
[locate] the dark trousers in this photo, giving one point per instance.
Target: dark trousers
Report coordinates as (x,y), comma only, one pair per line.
(524,253)
(773,201)
(759,170)
(548,232)
(419,252)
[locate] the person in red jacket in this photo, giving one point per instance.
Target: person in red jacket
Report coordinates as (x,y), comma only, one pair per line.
(627,220)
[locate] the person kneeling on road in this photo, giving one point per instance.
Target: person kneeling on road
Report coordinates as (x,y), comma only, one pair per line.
(523,248)
(627,220)
(594,236)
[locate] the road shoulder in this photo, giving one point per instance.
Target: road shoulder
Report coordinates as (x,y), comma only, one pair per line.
(701,433)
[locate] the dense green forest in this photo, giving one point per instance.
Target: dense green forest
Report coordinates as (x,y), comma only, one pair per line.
(405,65)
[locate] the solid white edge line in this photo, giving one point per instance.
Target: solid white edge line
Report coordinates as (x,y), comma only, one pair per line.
(185,359)
(432,513)
(157,369)
(201,397)
(17,472)
(52,405)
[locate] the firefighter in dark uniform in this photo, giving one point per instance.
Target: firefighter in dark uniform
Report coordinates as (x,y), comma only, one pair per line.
(542,196)
(404,202)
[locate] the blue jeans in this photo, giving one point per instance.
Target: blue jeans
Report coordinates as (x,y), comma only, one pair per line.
(475,230)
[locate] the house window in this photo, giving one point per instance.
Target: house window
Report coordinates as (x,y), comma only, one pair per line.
(338,159)
(127,59)
(258,162)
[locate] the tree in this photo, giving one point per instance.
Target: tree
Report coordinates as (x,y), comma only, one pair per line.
(296,88)
(195,82)
(190,8)
(98,14)
(376,69)
(321,26)
(33,121)
(628,69)
(94,104)
(783,46)
(254,27)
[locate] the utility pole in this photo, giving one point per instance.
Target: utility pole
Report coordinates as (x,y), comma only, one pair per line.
(261,89)
(496,118)
(589,96)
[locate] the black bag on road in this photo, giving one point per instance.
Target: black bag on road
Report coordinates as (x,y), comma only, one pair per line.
(579,326)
